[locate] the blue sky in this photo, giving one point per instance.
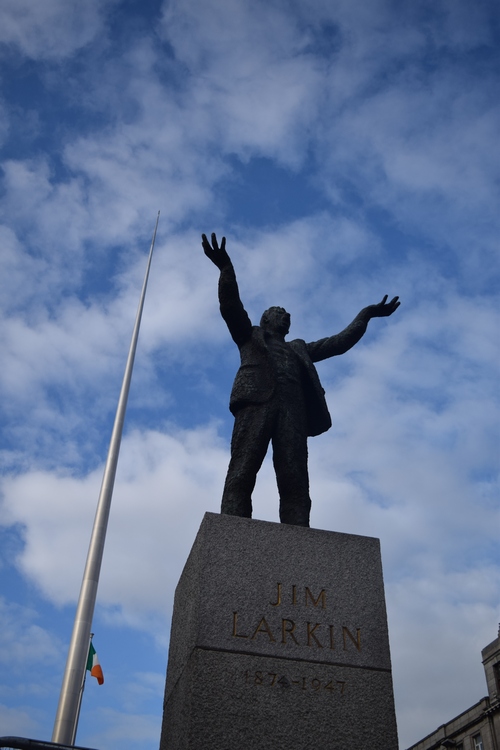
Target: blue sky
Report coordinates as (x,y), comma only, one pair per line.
(347,150)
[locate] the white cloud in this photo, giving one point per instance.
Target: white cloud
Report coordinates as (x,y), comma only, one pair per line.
(465,26)
(20,721)
(24,642)
(4,121)
(23,276)
(253,82)
(421,149)
(50,30)
(165,483)
(53,221)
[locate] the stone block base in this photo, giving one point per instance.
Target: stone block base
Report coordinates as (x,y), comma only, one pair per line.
(279,640)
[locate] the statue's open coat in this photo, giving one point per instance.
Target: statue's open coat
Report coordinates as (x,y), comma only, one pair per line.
(255,381)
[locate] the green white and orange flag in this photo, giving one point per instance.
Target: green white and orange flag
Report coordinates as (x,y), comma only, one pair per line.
(93,665)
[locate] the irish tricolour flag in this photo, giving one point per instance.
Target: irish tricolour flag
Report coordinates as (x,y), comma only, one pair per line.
(93,665)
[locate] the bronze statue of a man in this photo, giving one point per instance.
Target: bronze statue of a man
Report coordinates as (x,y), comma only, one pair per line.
(277,396)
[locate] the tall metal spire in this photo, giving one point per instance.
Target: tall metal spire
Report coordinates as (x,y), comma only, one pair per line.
(67,711)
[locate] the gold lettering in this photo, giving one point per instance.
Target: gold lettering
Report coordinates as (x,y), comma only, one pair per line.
(235,623)
(321,596)
(263,627)
(332,642)
(310,634)
(294,595)
(278,597)
(356,641)
(290,631)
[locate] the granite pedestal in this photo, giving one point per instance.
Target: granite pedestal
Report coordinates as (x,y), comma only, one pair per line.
(279,640)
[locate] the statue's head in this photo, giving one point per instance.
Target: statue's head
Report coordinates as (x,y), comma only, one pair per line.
(276,320)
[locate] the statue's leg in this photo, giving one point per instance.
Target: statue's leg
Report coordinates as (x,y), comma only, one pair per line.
(290,464)
(251,435)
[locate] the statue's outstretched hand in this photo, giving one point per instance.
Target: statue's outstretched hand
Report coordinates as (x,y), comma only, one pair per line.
(384,308)
(217,255)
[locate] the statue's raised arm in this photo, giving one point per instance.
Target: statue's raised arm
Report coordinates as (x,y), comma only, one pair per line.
(231,306)
(341,342)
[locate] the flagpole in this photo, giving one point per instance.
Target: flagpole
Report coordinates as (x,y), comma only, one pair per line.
(80,696)
(67,710)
